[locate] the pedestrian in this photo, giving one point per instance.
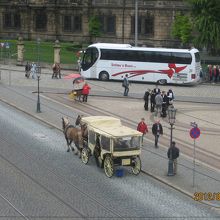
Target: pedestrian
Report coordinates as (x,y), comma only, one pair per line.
(173,154)
(157,130)
(33,70)
(158,104)
(217,74)
(210,72)
(59,70)
(156,90)
(54,68)
(97,150)
(79,63)
(146,99)
(164,105)
(125,84)
(170,97)
(27,70)
(142,127)
(201,75)
(85,91)
(152,101)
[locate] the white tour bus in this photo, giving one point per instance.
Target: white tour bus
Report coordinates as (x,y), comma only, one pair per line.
(161,65)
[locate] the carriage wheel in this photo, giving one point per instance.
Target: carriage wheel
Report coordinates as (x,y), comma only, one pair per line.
(108,166)
(136,165)
(85,156)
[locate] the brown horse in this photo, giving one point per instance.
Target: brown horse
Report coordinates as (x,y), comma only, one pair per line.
(83,127)
(72,134)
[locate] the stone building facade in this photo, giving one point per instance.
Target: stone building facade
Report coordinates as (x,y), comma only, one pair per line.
(68,20)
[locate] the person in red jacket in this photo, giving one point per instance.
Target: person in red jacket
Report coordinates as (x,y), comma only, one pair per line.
(85,91)
(142,127)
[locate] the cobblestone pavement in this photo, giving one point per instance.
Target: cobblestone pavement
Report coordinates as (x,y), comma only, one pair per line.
(17,90)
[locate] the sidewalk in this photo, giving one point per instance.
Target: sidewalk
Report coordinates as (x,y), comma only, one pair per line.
(154,162)
(207,92)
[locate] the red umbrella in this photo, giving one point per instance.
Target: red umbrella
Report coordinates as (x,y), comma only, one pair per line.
(72,76)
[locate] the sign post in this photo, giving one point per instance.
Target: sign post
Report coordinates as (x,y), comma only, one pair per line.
(194,133)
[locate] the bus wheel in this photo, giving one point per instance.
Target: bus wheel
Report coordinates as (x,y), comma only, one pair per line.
(104,76)
(162,81)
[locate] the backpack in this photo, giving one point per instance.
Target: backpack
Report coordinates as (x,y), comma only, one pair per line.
(124,84)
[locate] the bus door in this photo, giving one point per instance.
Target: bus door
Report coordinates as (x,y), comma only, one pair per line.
(89,62)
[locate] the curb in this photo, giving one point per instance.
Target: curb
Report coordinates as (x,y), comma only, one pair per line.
(178,189)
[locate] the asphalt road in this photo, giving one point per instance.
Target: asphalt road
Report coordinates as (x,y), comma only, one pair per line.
(40,180)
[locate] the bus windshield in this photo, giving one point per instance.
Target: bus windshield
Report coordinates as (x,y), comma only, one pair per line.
(89,57)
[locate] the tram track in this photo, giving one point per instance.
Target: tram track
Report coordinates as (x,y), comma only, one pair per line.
(59,178)
(14,207)
(79,108)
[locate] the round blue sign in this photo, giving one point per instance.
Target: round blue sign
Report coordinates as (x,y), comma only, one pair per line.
(195,133)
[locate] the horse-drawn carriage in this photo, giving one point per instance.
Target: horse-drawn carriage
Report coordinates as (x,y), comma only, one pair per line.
(112,144)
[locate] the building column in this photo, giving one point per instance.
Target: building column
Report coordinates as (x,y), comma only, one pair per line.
(20,51)
(57,49)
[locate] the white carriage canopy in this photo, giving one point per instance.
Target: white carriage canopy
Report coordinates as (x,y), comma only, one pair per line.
(109,127)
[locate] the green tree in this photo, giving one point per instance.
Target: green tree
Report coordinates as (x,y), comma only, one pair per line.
(206,20)
(94,26)
(182,28)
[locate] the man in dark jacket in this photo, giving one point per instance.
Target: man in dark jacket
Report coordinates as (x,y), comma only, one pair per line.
(146,99)
(157,130)
(164,105)
(173,154)
(152,101)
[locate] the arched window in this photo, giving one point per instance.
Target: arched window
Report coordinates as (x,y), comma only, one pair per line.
(41,21)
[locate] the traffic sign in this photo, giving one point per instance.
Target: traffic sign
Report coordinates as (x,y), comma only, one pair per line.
(195,133)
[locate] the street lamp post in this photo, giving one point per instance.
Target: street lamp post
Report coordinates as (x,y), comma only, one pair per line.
(38,71)
(171,118)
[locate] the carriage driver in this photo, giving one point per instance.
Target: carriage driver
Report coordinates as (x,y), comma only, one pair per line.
(97,150)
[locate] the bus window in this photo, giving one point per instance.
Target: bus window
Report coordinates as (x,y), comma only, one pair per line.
(182,58)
